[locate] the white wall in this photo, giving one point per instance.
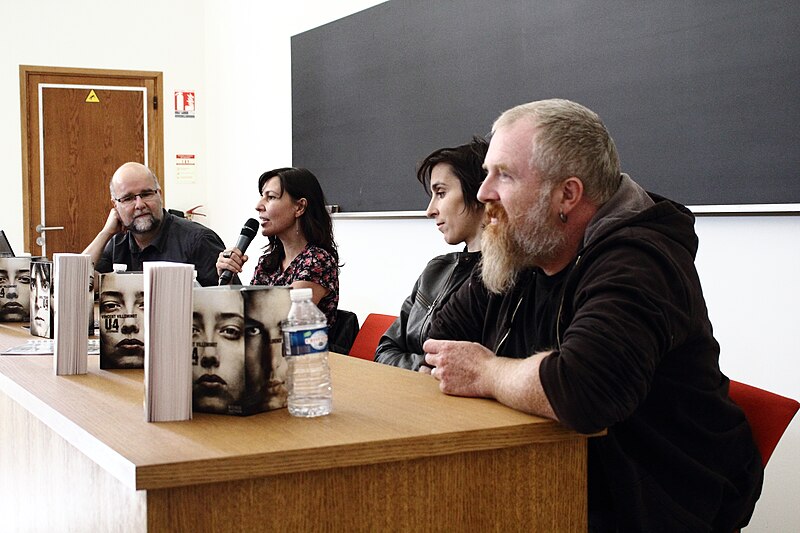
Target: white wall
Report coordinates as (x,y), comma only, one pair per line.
(237,57)
(144,35)
(750,269)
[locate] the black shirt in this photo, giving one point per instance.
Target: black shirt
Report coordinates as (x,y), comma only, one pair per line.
(179,240)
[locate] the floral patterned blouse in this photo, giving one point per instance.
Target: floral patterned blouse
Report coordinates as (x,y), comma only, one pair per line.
(313,264)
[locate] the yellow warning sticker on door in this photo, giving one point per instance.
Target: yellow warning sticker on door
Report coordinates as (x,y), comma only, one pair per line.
(92,98)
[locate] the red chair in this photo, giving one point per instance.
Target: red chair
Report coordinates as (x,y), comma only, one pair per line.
(373,328)
(769,415)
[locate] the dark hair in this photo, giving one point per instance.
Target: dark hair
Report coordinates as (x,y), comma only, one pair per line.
(467,164)
(315,222)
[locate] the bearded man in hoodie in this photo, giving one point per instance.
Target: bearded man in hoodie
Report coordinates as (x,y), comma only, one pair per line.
(587,308)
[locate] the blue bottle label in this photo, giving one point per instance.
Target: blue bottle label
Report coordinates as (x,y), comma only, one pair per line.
(307,341)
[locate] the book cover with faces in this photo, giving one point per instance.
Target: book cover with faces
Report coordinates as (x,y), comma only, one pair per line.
(238,366)
(121,320)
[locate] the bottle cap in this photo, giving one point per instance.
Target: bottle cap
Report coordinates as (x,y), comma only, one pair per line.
(300,294)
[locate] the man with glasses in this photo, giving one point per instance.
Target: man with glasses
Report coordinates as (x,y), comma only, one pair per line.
(138,229)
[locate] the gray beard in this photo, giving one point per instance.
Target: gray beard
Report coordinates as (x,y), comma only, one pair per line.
(144,225)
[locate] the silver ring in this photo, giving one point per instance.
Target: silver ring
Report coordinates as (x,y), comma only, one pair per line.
(226,255)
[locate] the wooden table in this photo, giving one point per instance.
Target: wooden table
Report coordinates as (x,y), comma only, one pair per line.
(395,455)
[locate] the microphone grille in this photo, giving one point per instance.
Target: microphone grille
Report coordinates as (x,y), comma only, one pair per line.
(250,227)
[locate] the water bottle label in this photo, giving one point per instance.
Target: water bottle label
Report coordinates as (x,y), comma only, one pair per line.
(306,342)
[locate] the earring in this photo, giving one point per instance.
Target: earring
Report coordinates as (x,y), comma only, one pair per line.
(562,216)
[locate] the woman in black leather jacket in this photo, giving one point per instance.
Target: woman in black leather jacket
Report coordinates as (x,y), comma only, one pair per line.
(453,176)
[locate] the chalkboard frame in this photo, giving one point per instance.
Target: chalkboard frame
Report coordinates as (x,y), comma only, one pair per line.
(701,98)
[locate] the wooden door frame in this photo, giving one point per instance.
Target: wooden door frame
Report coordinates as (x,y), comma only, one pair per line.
(155,139)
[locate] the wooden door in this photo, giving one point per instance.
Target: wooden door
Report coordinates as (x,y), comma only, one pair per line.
(78,126)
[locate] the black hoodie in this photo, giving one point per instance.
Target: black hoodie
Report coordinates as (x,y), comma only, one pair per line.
(633,353)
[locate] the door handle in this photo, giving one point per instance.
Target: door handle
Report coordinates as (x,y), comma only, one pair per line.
(41,229)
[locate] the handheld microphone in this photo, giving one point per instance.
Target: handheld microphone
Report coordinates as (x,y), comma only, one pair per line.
(245,237)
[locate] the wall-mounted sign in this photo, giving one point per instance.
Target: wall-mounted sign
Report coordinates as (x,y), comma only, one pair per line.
(184,168)
(184,104)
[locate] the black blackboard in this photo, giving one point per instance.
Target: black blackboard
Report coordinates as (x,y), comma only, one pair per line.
(702,98)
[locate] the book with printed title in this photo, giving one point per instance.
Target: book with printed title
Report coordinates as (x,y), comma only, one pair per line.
(121,320)
(238,367)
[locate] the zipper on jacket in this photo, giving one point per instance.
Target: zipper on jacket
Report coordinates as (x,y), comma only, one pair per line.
(561,303)
(424,301)
(446,287)
(432,307)
(510,323)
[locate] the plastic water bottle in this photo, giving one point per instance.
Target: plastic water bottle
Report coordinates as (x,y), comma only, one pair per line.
(305,341)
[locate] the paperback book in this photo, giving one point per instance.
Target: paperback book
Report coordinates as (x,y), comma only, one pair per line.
(71,277)
(45,347)
(121,320)
(15,289)
(41,302)
(238,366)
(167,341)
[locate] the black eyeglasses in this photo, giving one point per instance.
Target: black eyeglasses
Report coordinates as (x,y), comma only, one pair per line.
(144,195)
